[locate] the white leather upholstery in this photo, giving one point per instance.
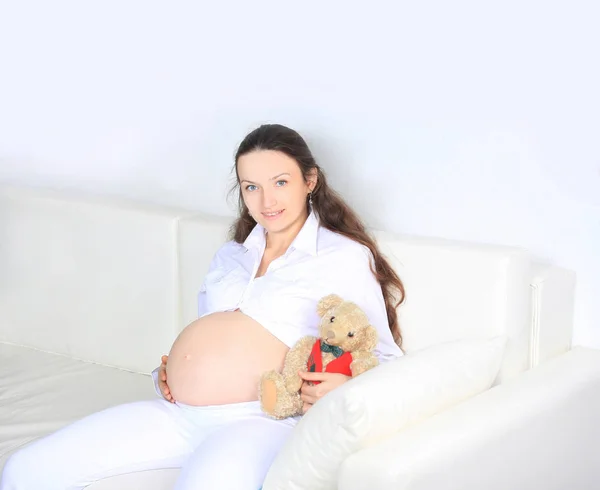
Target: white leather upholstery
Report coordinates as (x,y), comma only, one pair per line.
(379,403)
(41,392)
(88,278)
(552,316)
(538,431)
(113,283)
(134,272)
(458,290)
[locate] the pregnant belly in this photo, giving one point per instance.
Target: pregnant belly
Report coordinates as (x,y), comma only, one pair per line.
(219,359)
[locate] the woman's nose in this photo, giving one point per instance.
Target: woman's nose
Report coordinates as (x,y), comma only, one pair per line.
(269,200)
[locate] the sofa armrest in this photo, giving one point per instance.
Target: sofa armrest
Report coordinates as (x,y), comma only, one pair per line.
(553,304)
(538,431)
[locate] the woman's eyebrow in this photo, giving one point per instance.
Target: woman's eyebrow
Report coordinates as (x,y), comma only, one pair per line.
(280,175)
(272,178)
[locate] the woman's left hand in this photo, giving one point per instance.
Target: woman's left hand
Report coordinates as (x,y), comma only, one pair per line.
(311,393)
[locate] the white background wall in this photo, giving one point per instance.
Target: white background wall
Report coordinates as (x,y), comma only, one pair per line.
(467,120)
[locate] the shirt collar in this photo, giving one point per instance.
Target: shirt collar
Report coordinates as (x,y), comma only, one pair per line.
(305,241)
(256,238)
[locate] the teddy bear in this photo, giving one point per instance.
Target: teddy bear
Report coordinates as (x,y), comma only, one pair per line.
(345,346)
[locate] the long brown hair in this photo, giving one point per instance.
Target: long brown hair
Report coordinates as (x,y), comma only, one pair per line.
(333,213)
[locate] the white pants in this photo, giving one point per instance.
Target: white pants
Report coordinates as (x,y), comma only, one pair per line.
(218,448)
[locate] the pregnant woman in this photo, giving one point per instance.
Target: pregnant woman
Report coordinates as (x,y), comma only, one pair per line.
(295,241)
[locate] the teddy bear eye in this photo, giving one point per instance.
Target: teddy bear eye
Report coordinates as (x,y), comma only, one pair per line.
(350,334)
(331,319)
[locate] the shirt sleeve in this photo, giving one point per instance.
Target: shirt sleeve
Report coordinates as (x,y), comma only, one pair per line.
(202,300)
(155,379)
(356,282)
(215,264)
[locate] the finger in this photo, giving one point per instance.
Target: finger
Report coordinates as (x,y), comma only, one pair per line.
(308,399)
(308,376)
(310,390)
(164,359)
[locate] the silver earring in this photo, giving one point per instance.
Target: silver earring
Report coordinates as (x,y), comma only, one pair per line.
(310,198)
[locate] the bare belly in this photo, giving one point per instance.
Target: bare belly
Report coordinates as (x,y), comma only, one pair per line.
(219,359)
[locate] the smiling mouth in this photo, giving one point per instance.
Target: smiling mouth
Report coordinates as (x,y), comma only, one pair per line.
(272,215)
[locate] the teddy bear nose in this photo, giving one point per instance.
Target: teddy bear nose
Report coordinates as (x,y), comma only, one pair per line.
(330,334)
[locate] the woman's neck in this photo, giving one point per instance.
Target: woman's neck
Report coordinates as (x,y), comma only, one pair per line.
(279,242)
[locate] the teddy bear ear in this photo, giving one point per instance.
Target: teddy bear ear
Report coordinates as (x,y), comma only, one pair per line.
(328,302)
(369,338)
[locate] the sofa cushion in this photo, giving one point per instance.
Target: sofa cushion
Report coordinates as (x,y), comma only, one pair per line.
(42,392)
(379,403)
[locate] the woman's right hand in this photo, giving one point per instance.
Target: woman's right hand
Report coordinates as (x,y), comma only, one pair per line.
(162,380)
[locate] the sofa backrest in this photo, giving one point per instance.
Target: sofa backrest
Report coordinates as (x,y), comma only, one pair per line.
(115,282)
(93,279)
(460,290)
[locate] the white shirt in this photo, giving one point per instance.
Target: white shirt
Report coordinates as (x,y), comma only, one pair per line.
(284,300)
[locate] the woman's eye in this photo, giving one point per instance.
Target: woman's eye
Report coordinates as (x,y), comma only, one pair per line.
(250,187)
(281,183)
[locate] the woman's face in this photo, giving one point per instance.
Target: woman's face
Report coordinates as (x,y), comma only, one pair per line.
(273,189)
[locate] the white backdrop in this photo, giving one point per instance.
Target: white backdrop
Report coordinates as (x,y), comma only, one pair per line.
(457,119)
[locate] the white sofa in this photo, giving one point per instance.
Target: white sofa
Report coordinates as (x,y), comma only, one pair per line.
(94,290)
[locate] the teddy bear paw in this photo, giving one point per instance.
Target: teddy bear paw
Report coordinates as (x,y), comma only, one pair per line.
(268,398)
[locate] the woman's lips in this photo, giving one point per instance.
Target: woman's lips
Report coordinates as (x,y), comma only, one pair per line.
(274,215)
